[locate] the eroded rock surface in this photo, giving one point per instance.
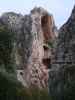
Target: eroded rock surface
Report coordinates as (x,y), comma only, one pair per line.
(62,73)
(32,34)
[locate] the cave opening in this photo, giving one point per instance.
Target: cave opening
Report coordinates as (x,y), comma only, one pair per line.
(46,59)
(46,62)
(45,48)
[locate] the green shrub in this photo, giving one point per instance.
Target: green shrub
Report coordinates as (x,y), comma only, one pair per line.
(6,48)
(10,88)
(14,91)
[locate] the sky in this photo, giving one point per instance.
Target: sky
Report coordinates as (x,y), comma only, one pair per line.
(60,9)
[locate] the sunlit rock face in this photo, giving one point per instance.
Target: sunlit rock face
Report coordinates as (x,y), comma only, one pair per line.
(32,56)
(62,73)
(36,73)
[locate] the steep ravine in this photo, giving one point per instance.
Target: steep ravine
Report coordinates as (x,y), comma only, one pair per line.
(62,73)
(31,53)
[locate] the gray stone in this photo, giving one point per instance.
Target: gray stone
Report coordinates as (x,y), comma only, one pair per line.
(31,33)
(64,61)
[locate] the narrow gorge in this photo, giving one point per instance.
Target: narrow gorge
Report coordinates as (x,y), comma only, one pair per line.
(35,53)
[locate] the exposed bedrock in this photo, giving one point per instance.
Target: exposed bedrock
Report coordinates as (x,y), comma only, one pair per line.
(33,35)
(62,73)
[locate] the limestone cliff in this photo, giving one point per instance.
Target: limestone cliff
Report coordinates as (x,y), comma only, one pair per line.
(32,54)
(62,73)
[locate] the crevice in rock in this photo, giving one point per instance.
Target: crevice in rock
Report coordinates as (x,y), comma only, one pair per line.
(46,62)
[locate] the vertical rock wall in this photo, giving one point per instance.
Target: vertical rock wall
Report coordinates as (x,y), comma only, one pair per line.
(42,28)
(62,73)
(32,56)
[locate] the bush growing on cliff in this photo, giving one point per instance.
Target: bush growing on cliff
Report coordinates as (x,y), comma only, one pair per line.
(8,78)
(51,44)
(6,47)
(10,88)
(20,93)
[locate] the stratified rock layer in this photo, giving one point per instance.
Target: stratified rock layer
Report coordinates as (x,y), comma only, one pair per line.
(32,56)
(62,73)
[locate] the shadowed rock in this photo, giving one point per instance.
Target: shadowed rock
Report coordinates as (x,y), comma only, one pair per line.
(62,73)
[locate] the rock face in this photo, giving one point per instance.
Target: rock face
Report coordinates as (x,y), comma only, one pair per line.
(32,56)
(62,73)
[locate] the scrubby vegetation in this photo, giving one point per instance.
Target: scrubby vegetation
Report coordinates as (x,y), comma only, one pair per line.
(10,88)
(6,47)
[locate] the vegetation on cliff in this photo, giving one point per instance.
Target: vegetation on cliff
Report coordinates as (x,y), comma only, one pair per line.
(10,87)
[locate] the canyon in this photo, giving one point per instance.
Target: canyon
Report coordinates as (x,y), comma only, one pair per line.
(44,56)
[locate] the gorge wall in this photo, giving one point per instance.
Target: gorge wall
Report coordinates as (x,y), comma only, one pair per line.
(38,51)
(62,72)
(32,51)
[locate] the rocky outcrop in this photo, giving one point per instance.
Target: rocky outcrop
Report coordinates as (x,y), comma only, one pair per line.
(32,55)
(62,73)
